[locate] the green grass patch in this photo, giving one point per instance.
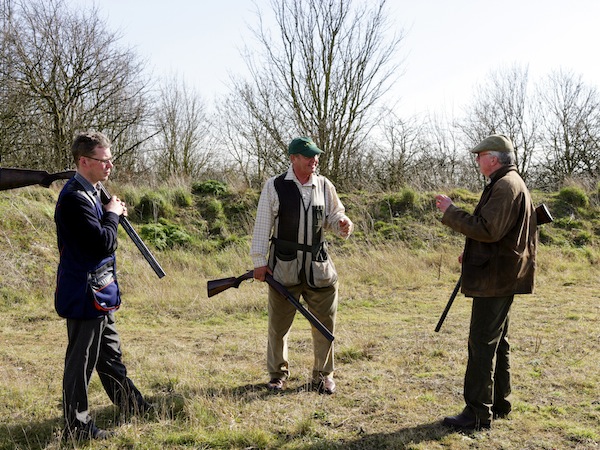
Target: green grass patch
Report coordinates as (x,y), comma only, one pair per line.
(202,360)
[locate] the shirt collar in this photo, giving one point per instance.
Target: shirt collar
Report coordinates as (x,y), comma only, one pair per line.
(292,176)
(89,187)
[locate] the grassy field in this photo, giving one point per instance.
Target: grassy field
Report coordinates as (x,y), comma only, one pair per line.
(202,361)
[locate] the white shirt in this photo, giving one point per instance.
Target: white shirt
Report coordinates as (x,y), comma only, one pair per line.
(268,207)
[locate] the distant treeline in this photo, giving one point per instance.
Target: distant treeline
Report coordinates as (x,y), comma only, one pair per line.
(64,69)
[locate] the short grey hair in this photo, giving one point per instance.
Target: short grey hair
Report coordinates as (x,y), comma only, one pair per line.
(504,158)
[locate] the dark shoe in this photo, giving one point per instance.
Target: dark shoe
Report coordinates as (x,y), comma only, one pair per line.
(500,414)
(464,422)
(276,384)
(325,386)
(87,431)
(501,409)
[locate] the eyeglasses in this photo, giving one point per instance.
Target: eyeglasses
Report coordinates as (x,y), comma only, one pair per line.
(103,161)
(479,155)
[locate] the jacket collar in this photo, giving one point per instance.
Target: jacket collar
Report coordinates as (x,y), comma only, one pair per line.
(501,172)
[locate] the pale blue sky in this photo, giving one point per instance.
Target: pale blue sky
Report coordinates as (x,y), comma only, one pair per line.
(450,45)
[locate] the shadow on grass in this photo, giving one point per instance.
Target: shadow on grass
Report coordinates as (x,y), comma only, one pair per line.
(35,436)
(41,434)
(403,438)
(255,391)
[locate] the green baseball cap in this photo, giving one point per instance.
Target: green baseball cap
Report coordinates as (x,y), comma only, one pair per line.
(304,146)
(494,143)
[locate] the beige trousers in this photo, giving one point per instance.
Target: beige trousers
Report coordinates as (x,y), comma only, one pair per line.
(322,303)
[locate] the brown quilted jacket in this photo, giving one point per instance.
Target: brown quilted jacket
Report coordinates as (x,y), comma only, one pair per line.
(501,238)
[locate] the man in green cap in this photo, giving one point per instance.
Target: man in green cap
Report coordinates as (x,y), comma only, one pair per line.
(294,210)
(498,261)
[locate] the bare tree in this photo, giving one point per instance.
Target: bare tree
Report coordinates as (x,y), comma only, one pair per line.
(329,65)
(249,143)
(446,163)
(68,73)
(571,127)
(182,129)
(503,104)
(403,143)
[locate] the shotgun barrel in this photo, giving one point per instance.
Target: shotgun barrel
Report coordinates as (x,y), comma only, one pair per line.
(137,240)
(448,305)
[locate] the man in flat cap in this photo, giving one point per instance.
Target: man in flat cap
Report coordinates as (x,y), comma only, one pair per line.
(498,261)
(294,210)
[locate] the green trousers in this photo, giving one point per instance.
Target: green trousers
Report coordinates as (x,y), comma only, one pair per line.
(322,303)
(487,378)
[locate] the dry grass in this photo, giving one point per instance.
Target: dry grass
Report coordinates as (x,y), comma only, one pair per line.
(202,361)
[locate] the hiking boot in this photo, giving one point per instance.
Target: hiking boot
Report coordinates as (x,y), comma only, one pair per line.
(276,384)
(325,385)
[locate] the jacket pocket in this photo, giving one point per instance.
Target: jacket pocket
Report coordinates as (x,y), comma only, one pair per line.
(476,270)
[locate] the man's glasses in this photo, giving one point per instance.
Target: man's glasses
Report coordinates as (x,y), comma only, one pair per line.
(103,161)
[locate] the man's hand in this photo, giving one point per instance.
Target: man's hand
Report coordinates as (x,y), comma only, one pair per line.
(261,272)
(116,206)
(442,202)
(346,227)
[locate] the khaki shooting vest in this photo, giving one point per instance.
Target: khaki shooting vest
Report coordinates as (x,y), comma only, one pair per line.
(298,248)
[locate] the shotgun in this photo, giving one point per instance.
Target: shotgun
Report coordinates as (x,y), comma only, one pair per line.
(11,178)
(137,240)
(542,214)
(448,305)
(215,287)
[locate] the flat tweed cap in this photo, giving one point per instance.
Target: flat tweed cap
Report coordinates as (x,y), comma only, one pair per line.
(494,143)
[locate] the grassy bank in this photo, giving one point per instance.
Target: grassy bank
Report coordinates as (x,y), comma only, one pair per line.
(202,361)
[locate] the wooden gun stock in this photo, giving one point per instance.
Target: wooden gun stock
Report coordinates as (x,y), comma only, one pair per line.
(11,178)
(217,286)
(137,240)
(542,214)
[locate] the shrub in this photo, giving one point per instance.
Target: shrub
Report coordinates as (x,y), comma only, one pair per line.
(153,205)
(574,196)
(212,187)
(397,203)
(182,198)
(165,235)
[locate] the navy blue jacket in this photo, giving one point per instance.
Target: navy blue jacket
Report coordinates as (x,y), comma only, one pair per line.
(87,237)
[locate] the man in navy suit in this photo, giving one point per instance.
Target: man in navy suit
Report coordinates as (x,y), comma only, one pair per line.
(87,292)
